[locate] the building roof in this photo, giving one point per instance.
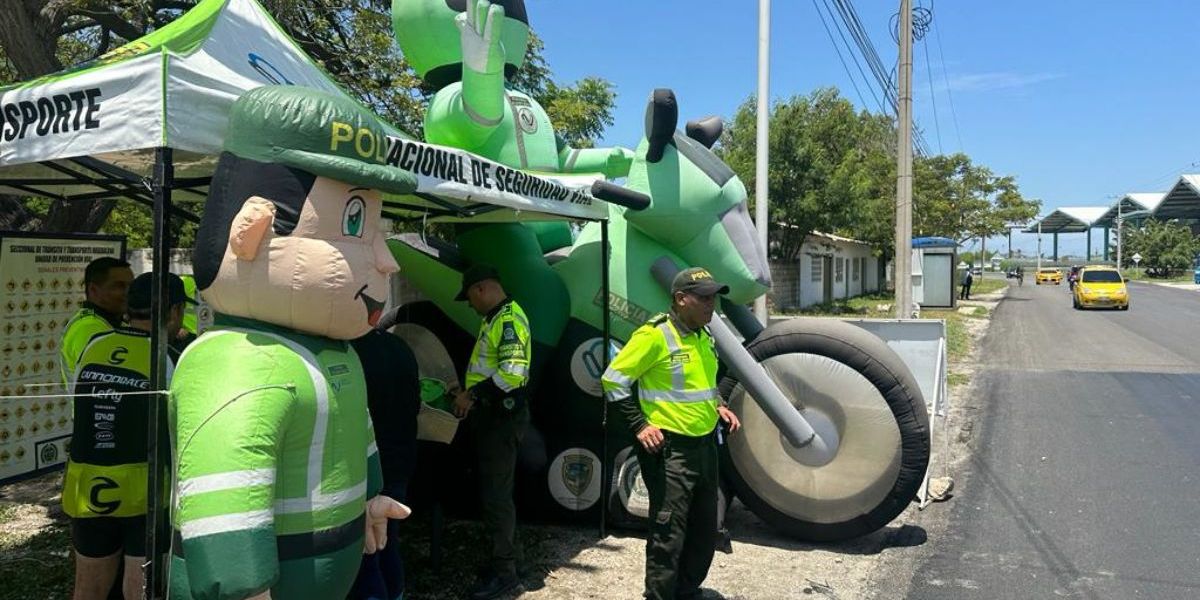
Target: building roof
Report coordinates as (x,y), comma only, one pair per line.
(1068,219)
(1129,203)
(1182,201)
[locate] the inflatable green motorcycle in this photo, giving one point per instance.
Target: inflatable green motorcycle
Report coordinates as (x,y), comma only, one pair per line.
(835,442)
(835,437)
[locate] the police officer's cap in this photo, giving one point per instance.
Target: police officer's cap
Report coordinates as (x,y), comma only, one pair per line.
(698,281)
(474,275)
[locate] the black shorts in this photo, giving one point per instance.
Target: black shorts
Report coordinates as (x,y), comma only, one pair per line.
(98,537)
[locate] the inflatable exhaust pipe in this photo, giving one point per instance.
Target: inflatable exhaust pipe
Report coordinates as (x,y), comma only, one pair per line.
(809,448)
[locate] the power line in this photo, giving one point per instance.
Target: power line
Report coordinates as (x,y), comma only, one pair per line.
(843,60)
(949,93)
(937,126)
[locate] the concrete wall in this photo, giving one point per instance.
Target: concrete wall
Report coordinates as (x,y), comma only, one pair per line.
(142,259)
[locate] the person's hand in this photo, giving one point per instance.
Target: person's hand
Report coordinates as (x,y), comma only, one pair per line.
(651,438)
(729,418)
(462,403)
(480,29)
(379,510)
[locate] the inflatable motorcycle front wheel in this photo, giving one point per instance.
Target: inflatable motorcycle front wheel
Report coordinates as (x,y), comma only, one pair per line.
(841,377)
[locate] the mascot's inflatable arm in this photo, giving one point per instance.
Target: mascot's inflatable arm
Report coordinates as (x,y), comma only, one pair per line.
(481,28)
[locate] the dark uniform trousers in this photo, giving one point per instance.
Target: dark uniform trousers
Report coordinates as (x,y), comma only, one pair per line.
(498,435)
(682,481)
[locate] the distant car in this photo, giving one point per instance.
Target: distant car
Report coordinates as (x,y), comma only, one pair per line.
(1048,276)
(1101,287)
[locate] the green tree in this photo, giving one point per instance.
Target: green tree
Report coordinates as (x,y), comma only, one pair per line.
(1164,247)
(828,164)
(350,39)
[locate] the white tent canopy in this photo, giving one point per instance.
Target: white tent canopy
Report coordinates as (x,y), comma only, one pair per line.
(92,131)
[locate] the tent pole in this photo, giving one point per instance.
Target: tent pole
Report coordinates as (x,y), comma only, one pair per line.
(605,477)
(156,545)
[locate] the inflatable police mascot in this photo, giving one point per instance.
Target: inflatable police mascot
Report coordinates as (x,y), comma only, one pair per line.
(467,50)
(276,467)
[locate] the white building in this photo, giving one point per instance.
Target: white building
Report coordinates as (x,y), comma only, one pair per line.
(827,267)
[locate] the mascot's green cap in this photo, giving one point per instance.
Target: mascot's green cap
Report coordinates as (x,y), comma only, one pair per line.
(314,131)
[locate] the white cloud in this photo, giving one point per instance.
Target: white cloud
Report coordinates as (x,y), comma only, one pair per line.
(986,82)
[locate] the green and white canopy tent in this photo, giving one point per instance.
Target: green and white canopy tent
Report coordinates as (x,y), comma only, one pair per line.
(99,130)
(149,119)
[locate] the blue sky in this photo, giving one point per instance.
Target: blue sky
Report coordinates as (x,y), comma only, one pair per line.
(1080,100)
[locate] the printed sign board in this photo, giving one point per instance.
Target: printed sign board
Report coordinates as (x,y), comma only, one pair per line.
(41,286)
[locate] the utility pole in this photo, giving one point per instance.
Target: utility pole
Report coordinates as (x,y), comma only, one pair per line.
(1039,245)
(1120,238)
(904,151)
(762,141)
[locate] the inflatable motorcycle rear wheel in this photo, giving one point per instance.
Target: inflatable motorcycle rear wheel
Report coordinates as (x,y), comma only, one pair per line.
(846,378)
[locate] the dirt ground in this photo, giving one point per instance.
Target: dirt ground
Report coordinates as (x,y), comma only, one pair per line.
(574,562)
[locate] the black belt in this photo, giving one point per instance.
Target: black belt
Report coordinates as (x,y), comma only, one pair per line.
(294,546)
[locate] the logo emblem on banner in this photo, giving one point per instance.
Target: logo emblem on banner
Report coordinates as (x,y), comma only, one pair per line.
(574,478)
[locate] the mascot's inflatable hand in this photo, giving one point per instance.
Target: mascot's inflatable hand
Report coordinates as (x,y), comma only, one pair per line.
(619,161)
(379,510)
(480,28)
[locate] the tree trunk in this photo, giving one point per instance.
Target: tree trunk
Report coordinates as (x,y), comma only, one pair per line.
(29,37)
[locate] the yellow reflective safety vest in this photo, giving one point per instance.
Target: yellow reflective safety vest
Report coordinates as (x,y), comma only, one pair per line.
(107,471)
(85,324)
(502,350)
(676,376)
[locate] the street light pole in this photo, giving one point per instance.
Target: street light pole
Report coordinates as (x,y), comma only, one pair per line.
(904,173)
(762,141)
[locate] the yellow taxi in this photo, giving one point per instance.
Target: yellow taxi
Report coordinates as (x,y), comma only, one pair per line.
(1101,287)
(1048,276)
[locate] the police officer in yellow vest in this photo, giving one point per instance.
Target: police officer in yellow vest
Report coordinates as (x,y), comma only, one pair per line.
(106,284)
(104,491)
(673,360)
(496,382)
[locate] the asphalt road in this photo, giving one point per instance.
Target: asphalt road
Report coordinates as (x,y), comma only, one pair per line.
(1085,481)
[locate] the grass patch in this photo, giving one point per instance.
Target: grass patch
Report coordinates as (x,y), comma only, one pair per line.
(6,513)
(858,306)
(1140,275)
(957,379)
(39,566)
(984,285)
(979,312)
(958,341)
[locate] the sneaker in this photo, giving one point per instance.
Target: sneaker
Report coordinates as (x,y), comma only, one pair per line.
(496,587)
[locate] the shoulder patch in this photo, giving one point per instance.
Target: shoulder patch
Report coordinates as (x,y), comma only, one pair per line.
(658,319)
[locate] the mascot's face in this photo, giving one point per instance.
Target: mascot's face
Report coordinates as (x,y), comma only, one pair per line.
(317,264)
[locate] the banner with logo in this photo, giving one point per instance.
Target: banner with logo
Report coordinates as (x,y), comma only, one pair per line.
(41,286)
(452,173)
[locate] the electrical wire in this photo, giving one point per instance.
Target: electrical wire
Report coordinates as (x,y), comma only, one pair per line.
(843,60)
(937,34)
(937,125)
